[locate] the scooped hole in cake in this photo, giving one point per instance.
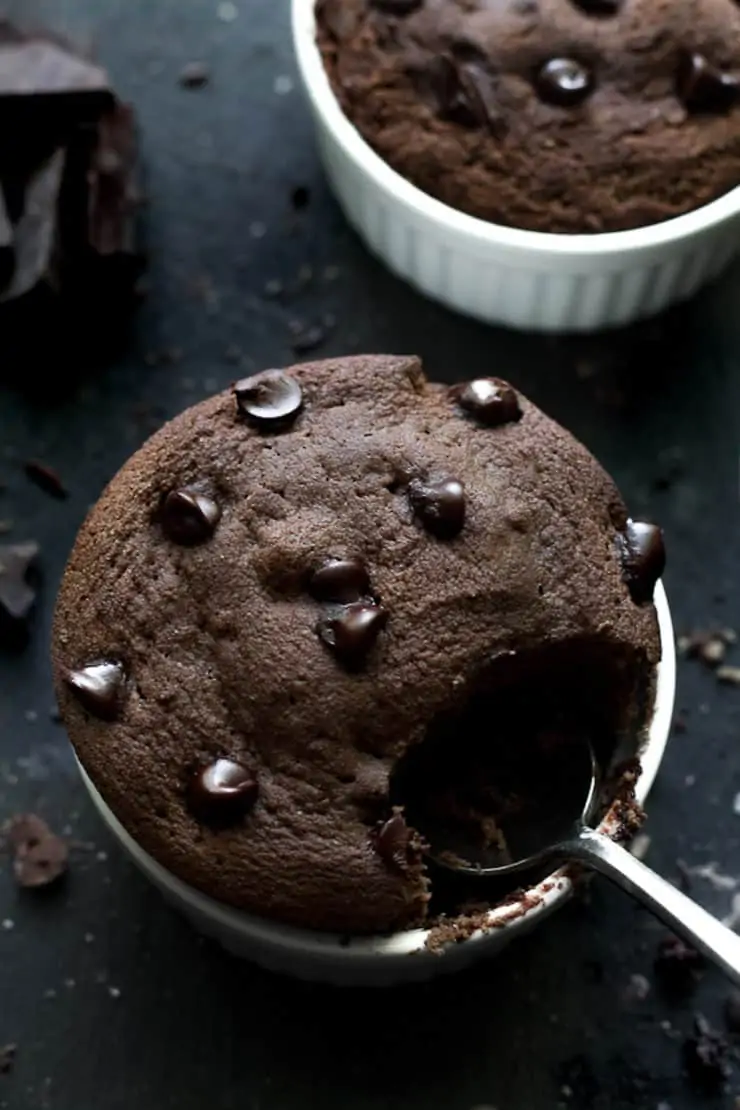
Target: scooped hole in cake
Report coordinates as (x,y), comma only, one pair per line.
(508,760)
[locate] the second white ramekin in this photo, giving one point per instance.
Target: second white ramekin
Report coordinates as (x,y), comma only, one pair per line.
(401,957)
(530,280)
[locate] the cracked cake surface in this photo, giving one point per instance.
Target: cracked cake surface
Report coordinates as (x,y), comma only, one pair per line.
(551,115)
(291,582)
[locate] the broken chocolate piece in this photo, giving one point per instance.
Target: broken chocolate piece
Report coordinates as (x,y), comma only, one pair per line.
(16,595)
(46,479)
(39,857)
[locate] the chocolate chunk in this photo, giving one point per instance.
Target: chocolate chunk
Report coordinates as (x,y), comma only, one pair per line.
(705,1056)
(704,88)
(189,517)
(393,841)
(98,687)
(341,581)
(269,398)
(352,632)
(396,7)
(678,965)
(46,479)
(490,400)
(222,792)
(599,7)
(643,559)
(563,82)
(36,232)
(7,1058)
(16,595)
(194,75)
(439,505)
(39,857)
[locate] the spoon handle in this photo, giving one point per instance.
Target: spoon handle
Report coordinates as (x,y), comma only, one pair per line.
(682,914)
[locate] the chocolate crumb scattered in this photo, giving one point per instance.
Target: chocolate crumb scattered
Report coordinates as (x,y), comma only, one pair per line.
(40,857)
(705,1056)
(46,479)
(300,197)
(678,965)
(194,75)
(7,1058)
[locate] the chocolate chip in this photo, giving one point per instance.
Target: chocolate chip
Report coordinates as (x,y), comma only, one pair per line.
(352,632)
(705,1056)
(489,400)
(397,7)
(463,92)
(189,517)
(269,398)
(98,688)
(643,559)
(439,505)
(340,580)
(46,479)
(194,75)
(393,840)
(704,88)
(39,857)
(563,82)
(599,7)
(16,595)
(222,791)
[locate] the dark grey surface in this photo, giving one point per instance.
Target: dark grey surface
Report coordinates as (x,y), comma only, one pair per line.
(113,1002)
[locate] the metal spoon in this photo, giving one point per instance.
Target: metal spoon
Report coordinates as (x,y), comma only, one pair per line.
(576,841)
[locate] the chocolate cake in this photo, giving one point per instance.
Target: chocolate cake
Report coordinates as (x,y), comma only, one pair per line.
(295,584)
(553,115)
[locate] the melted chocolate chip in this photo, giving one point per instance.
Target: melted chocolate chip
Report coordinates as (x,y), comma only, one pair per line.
(98,688)
(463,92)
(189,517)
(352,632)
(340,580)
(223,791)
(489,400)
(396,7)
(643,558)
(439,505)
(269,398)
(704,88)
(393,840)
(599,7)
(563,82)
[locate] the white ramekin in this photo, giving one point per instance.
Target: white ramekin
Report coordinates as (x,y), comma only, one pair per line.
(501,275)
(401,957)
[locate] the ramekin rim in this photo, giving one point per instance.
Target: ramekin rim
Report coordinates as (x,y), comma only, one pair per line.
(485,233)
(412,942)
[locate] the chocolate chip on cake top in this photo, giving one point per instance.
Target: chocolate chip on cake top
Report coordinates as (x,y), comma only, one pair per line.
(550,115)
(293,583)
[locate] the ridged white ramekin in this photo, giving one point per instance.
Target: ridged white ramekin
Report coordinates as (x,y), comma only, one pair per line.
(531,280)
(401,957)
